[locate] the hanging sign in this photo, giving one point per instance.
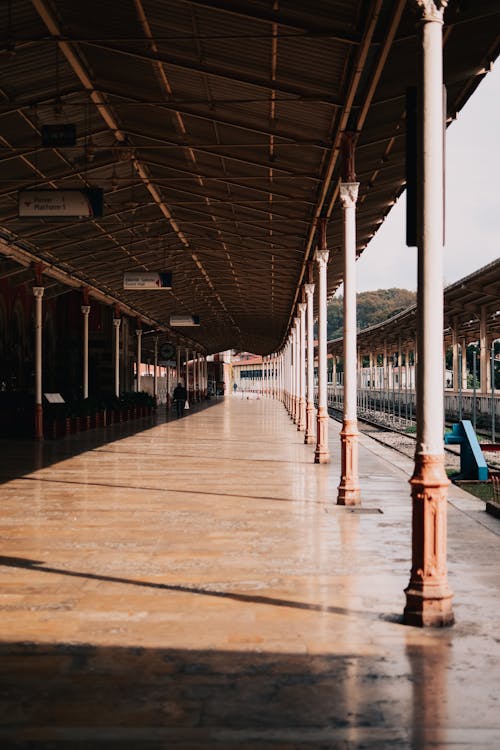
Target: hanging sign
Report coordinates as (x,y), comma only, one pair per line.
(59,135)
(82,204)
(181,321)
(147,280)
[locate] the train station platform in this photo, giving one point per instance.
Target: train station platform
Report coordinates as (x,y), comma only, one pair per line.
(192,584)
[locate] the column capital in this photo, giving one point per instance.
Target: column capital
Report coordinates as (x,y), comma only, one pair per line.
(38,291)
(431,10)
(309,290)
(349,193)
(138,332)
(302,307)
(116,322)
(85,309)
(321,256)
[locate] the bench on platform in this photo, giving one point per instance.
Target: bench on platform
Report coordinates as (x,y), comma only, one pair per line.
(472,461)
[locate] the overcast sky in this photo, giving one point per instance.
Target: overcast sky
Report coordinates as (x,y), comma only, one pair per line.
(472,202)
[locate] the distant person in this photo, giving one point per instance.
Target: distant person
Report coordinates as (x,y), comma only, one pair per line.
(180,397)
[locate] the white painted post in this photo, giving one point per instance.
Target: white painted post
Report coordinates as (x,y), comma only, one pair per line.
(428,597)
(85,312)
(116,324)
(322,453)
(139,357)
(155,371)
(348,490)
(38,292)
(301,421)
(309,436)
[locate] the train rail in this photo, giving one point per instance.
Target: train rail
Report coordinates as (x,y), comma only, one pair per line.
(387,430)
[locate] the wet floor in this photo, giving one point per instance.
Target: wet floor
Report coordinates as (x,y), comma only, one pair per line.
(192,584)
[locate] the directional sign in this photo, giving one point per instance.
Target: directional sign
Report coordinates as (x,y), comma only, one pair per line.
(182,321)
(147,280)
(82,204)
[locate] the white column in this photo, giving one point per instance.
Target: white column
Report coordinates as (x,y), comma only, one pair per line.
(309,437)
(348,490)
(139,357)
(484,361)
(116,324)
(85,312)
(294,370)
(187,372)
(322,453)
(155,372)
(463,374)
(301,421)
(454,347)
(195,374)
(178,359)
(199,359)
(38,292)
(428,597)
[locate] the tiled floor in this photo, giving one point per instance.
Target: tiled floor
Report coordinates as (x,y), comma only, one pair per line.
(193,585)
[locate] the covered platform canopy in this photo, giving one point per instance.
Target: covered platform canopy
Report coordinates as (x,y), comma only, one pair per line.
(214,128)
(465,301)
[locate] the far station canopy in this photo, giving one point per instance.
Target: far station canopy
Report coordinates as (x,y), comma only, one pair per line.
(213,129)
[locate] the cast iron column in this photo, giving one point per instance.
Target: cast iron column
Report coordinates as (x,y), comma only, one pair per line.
(428,596)
(155,372)
(116,324)
(85,312)
(38,294)
(348,490)
(186,384)
(139,355)
(301,422)
(309,437)
(322,453)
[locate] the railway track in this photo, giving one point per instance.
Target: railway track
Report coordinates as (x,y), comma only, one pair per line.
(385,430)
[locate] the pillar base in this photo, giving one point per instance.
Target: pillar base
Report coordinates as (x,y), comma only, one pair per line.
(38,422)
(428,596)
(301,415)
(309,437)
(427,609)
(322,454)
(349,492)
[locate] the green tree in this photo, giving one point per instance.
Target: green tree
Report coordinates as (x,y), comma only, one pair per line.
(372,307)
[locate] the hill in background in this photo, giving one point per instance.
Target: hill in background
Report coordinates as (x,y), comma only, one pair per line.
(372,307)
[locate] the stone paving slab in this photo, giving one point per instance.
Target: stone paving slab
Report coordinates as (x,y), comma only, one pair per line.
(193,584)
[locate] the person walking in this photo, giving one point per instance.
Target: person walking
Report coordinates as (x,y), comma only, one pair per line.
(180,397)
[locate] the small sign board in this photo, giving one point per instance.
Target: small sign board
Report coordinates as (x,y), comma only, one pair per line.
(147,280)
(86,203)
(184,321)
(59,135)
(54,398)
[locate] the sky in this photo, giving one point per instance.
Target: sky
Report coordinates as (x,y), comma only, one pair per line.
(472,202)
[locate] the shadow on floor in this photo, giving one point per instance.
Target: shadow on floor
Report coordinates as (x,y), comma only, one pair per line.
(21,457)
(84,697)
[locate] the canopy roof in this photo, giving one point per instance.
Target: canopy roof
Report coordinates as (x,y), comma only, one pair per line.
(214,128)
(465,301)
